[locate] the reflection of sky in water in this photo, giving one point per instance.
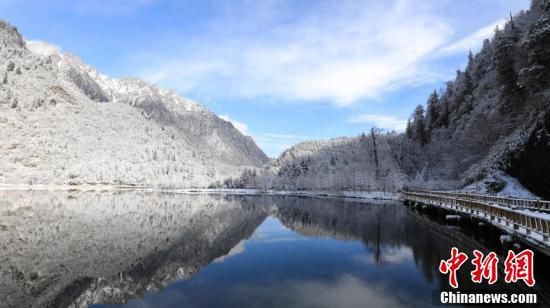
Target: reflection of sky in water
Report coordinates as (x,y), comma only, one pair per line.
(277,267)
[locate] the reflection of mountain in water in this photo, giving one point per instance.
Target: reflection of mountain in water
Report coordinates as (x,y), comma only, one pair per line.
(76,248)
(79,248)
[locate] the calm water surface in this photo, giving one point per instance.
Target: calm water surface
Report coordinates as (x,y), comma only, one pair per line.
(138,249)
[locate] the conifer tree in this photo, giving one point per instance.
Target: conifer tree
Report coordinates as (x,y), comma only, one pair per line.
(432,114)
(419,128)
(408,130)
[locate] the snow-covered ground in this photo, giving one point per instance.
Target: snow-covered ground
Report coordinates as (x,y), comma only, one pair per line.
(512,188)
(376,195)
(372,195)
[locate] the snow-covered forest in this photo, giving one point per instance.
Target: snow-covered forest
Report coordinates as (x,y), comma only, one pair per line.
(492,120)
(61,122)
(367,162)
(493,117)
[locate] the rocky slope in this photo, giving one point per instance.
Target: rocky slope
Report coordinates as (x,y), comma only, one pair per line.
(64,123)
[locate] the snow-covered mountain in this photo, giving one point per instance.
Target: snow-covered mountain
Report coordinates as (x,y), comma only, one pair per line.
(360,163)
(63,122)
(491,122)
(213,136)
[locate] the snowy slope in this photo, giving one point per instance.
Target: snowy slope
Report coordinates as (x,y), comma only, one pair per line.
(61,122)
(210,135)
(364,163)
(493,118)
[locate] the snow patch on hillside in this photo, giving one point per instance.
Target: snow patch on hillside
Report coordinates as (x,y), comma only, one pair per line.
(512,187)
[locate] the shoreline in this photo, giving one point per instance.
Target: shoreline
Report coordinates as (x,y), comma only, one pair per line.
(366,195)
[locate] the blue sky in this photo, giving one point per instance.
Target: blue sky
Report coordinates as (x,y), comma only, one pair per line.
(281,71)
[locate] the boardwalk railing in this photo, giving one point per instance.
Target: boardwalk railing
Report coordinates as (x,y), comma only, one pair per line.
(536,226)
(541,205)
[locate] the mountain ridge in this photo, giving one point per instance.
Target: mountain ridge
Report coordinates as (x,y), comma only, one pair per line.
(68,124)
(163,105)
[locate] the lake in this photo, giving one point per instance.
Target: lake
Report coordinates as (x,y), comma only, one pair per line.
(150,249)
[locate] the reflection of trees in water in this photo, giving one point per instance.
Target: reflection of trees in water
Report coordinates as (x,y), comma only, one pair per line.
(379,226)
(86,247)
(385,226)
(83,247)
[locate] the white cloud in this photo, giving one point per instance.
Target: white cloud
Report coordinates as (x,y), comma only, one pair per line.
(240,126)
(380,121)
(387,255)
(474,41)
(339,52)
(42,48)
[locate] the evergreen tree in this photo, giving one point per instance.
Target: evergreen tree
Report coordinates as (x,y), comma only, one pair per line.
(408,130)
(468,85)
(486,46)
(470,61)
(468,93)
(432,114)
(419,129)
(443,120)
(504,61)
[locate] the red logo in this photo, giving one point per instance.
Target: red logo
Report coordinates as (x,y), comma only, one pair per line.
(516,267)
(520,267)
(452,265)
(485,268)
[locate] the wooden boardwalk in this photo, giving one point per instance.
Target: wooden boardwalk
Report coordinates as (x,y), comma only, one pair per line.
(527,220)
